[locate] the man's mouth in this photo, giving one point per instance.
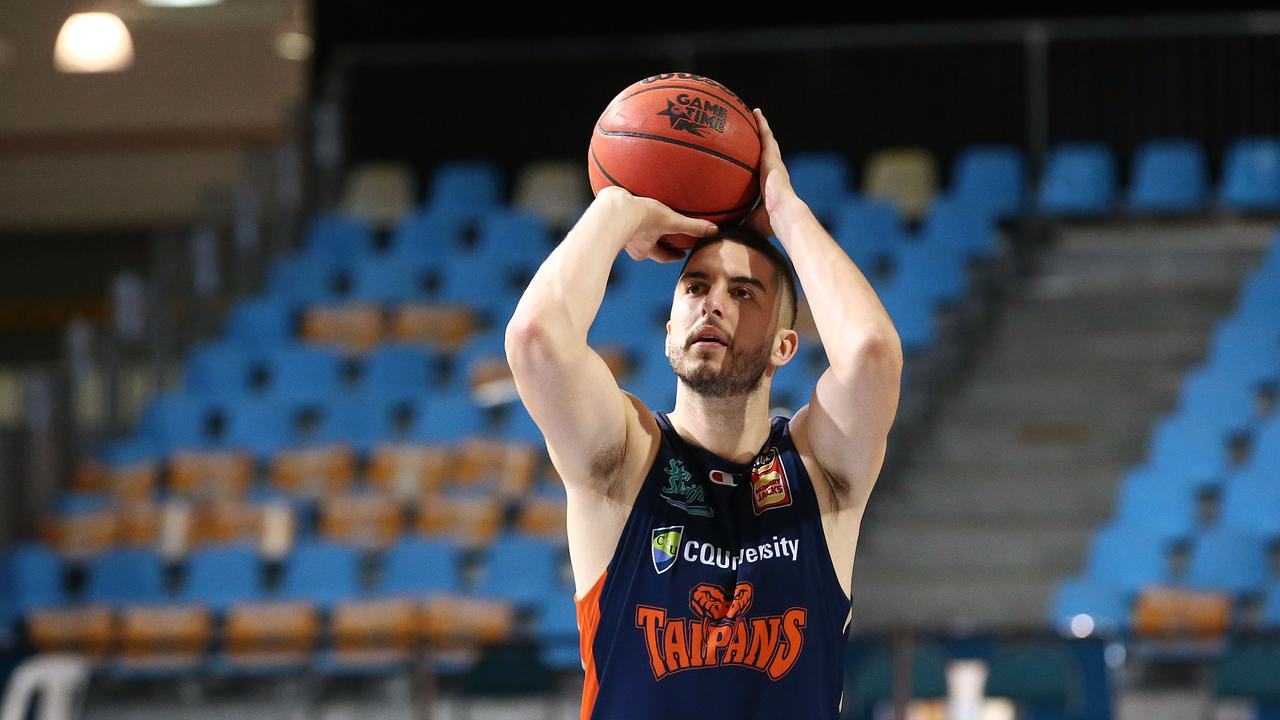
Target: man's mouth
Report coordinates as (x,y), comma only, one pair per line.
(709,336)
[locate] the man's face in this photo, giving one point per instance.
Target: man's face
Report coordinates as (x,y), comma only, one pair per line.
(727,291)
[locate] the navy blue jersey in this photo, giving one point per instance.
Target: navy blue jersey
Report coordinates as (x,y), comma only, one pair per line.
(720,600)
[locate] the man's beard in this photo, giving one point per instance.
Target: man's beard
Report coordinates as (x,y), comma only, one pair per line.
(741,376)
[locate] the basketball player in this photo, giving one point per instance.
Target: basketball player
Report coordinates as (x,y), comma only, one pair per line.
(712,546)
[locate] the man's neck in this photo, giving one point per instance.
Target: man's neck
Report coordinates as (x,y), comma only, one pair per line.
(733,428)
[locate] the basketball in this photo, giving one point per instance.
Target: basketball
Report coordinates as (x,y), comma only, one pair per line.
(684,140)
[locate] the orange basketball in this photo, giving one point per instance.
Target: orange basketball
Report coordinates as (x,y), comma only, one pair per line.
(682,139)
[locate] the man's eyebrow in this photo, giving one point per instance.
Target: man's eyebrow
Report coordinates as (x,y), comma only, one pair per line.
(699,275)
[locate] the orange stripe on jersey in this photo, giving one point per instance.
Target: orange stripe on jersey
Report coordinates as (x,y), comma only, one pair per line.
(588,620)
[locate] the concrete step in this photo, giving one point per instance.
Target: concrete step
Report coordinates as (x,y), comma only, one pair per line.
(961,604)
(931,546)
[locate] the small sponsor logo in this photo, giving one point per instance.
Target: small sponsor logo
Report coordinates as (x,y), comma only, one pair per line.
(666,547)
(695,115)
(721,477)
(770,488)
(682,492)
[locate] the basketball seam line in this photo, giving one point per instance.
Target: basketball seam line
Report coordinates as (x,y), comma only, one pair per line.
(695,89)
(611,179)
(673,141)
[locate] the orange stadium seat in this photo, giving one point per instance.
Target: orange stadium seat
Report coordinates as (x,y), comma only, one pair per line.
(374,631)
(87,631)
(320,471)
(211,475)
(458,622)
(472,521)
(442,325)
(1166,611)
(367,521)
(543,517)
(271,634)
(81,534)
(356,327)
(410,472)
(509,467)
(166,638)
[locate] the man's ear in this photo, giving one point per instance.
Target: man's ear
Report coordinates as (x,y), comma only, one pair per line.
(785,346)
(668,327)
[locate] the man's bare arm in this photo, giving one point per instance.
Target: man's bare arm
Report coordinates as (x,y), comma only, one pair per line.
(853,405)
(565,385)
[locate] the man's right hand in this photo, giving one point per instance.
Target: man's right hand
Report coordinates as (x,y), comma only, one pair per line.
(649,220)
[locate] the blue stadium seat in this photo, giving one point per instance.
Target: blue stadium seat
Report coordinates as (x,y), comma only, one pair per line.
(1165,509)
(519,426)
(261,323)
(366,418)
(522,570)
(645,280)
(429,235)
(221,576)
(36,573)
(513,236)
(482,283)
(480,347)
(447,417)
(125,576)
(991,175)
(1229,559)
(178,420)
(1080,180)
(340,236)
(1266,446)
(1251,175)
(820,179)
(1188,453)
(869,230)
(557,631)
(937,276)
(1251,501)
(122,453)
(1103,603)
(394,279)
(1129,558)
(1259,299)
(1271,608)
(465,189)
(321,572)
(912,315)
(1169,176)
(621,322)
(398,367)
(311,278)
(72,502)
(261,426)
(419,567)
(219,368)
(304,373)
(1246,349)
(960,228)
(1218,400)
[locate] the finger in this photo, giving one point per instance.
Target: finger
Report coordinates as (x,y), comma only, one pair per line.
(665,253)
(690,226)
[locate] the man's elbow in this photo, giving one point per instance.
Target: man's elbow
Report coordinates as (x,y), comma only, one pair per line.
(878,351)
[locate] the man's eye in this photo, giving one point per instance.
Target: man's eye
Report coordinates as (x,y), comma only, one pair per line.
(745,292)
(692,287)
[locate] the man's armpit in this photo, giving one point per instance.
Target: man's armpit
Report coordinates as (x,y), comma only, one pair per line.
(606,465)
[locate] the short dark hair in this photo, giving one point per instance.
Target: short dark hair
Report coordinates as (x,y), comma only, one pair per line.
(784,274)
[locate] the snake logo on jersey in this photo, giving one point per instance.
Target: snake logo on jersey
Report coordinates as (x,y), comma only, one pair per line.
(719,633)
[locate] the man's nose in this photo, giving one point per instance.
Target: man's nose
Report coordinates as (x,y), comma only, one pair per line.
(713,303)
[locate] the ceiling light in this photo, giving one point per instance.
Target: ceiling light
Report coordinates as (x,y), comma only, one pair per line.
(93,42)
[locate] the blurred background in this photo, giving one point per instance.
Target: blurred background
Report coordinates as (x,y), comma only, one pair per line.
(261,455)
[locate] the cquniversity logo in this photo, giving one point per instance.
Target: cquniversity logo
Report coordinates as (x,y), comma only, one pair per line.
(666,547)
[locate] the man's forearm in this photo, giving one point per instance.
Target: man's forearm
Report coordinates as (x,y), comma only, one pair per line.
(846,309)
(564,295)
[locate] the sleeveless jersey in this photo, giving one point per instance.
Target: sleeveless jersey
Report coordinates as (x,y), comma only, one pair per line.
(720,600)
